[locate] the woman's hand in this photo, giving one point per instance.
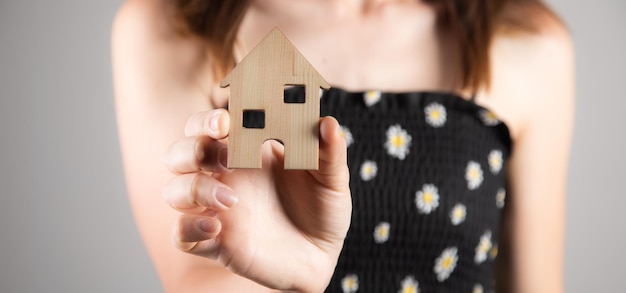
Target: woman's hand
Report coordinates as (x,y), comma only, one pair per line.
(281,228)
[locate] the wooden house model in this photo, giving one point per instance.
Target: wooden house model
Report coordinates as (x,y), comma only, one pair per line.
(257,86)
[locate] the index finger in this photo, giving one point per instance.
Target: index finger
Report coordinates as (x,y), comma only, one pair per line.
(214,124)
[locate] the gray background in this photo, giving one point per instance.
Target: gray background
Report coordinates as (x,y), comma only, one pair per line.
(65,224)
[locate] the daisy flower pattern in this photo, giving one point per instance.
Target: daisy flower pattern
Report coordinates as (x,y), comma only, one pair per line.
(381,232)
(409,285)
(350,284)
(442,222)
(493,252)
(427,199)
(500,197)
(445,263)
(371,97)
(346,134)
(368,170)
(398,142)
(489,118)
(457,214)
(484,245)
(473,175)
(478,288)
(495,161)
(435,114)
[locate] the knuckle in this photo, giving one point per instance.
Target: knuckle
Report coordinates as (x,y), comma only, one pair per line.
(218,123)
(184,246)
(200,192)
(179,236)
(199,152)
(207,120)
(206,155)
(195,186)
(195,124)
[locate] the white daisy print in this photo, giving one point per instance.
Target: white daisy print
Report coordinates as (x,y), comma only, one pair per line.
(346,134)
(409,285)
(495,161)
(473,175)
(445,263)
(483,247)
(398,142)
(368,170)
(371,97)
(489,118)
(478,288)
(493,252)
(381,232)
(435,114)
(457,214)
(427,199)
(350,283)
(500,197)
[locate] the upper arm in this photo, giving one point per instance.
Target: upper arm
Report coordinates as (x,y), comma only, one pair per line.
(151,112)
(539,77)
(157,87)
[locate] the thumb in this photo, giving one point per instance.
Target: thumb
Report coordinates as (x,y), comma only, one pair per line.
(333,165)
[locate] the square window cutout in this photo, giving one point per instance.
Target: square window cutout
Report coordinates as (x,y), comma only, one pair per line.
(254,119)
(294,94)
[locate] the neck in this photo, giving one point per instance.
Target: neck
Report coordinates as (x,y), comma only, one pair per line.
(394,47)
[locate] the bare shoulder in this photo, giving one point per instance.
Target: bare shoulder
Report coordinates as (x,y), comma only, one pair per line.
(148,48)
(533,72)
(533,90)
(547,40)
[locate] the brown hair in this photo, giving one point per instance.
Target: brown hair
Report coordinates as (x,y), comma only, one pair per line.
(473,23)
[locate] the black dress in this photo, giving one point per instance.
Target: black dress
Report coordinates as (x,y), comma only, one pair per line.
(428,188)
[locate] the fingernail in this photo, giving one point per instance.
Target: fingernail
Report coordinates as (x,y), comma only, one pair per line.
(214,121)
(206,226)
(225,196)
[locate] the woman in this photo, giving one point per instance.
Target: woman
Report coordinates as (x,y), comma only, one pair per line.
(440,185)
